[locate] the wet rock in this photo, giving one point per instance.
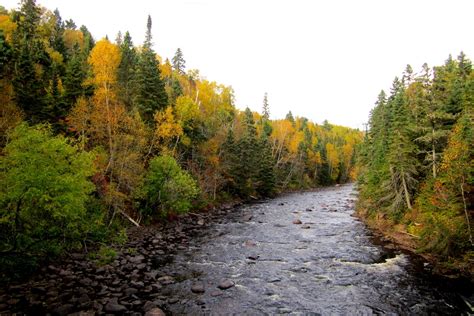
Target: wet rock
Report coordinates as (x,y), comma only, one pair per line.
(201,222)
(200,302)
(250,243)
(198,288)
(309,210)
(216,293)
(226,284)
(253,257)
(274,280)
(247,218)
(305,226)
(166,280)
(155,312)
(297,222)
(173,300)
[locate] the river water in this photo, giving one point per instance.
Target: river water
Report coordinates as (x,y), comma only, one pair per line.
(330,264)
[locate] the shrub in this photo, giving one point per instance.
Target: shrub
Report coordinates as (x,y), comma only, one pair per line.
(167,187)
(44,192)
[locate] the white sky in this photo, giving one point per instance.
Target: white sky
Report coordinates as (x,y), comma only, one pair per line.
(319,59)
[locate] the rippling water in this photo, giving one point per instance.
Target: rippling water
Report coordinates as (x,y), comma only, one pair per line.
(327,265)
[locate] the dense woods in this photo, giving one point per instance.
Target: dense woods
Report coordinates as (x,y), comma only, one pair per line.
(94,133)
(416,161)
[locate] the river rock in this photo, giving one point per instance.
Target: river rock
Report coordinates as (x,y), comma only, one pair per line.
(149,306)
(198,288)
(297,222)
(226,284)
(155,312)
(250,243)
(64,309)
(305,226)
(253,257)
(165,280)
(137,259)
(113,307)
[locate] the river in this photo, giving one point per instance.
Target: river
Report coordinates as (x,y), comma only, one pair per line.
(330,264)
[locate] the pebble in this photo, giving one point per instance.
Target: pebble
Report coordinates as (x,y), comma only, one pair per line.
(297,222)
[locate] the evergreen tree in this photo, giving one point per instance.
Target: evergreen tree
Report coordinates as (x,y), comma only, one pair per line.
(29,52)
(401,156)
(151,94)
(265,177)
(74,78)
(179,62)
(266,107)
(56,40)
(127,71)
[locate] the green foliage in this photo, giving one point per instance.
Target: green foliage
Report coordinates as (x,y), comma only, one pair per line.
(105,255)
(417,158)
(44,193)
(168,188)
(151,94)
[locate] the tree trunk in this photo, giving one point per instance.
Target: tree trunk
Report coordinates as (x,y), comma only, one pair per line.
(433,150)
(405,190)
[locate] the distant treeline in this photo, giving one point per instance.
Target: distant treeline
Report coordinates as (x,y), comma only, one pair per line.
(416,161)
(95,131)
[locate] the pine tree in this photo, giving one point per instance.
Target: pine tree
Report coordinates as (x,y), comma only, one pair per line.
(179,62)
(151,94)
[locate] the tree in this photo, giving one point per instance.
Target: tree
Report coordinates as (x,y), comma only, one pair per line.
(29,55)
(179,62)
(151,94)
(44,193)
(167,188)
(127,72)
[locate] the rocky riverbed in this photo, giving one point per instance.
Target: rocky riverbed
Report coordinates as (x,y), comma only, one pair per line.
(301,253)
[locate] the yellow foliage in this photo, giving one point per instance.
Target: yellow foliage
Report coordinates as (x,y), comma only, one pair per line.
(104,59)
(73,37)
(7,26)
(167,128)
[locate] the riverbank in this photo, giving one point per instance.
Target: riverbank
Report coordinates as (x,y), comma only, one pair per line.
(131,282)
(396,235)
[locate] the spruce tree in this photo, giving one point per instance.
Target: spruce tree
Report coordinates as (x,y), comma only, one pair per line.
(179,62)
(127,71)
(401,156)
(266,107)
(74,78)
(151,94)
(29,53)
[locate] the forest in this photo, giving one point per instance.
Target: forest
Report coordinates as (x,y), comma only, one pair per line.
(96,135)
(416,161)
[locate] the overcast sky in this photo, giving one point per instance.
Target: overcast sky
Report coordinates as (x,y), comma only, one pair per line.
(319,59)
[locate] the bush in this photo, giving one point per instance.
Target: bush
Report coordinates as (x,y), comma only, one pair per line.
(44,192)
(167,187)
